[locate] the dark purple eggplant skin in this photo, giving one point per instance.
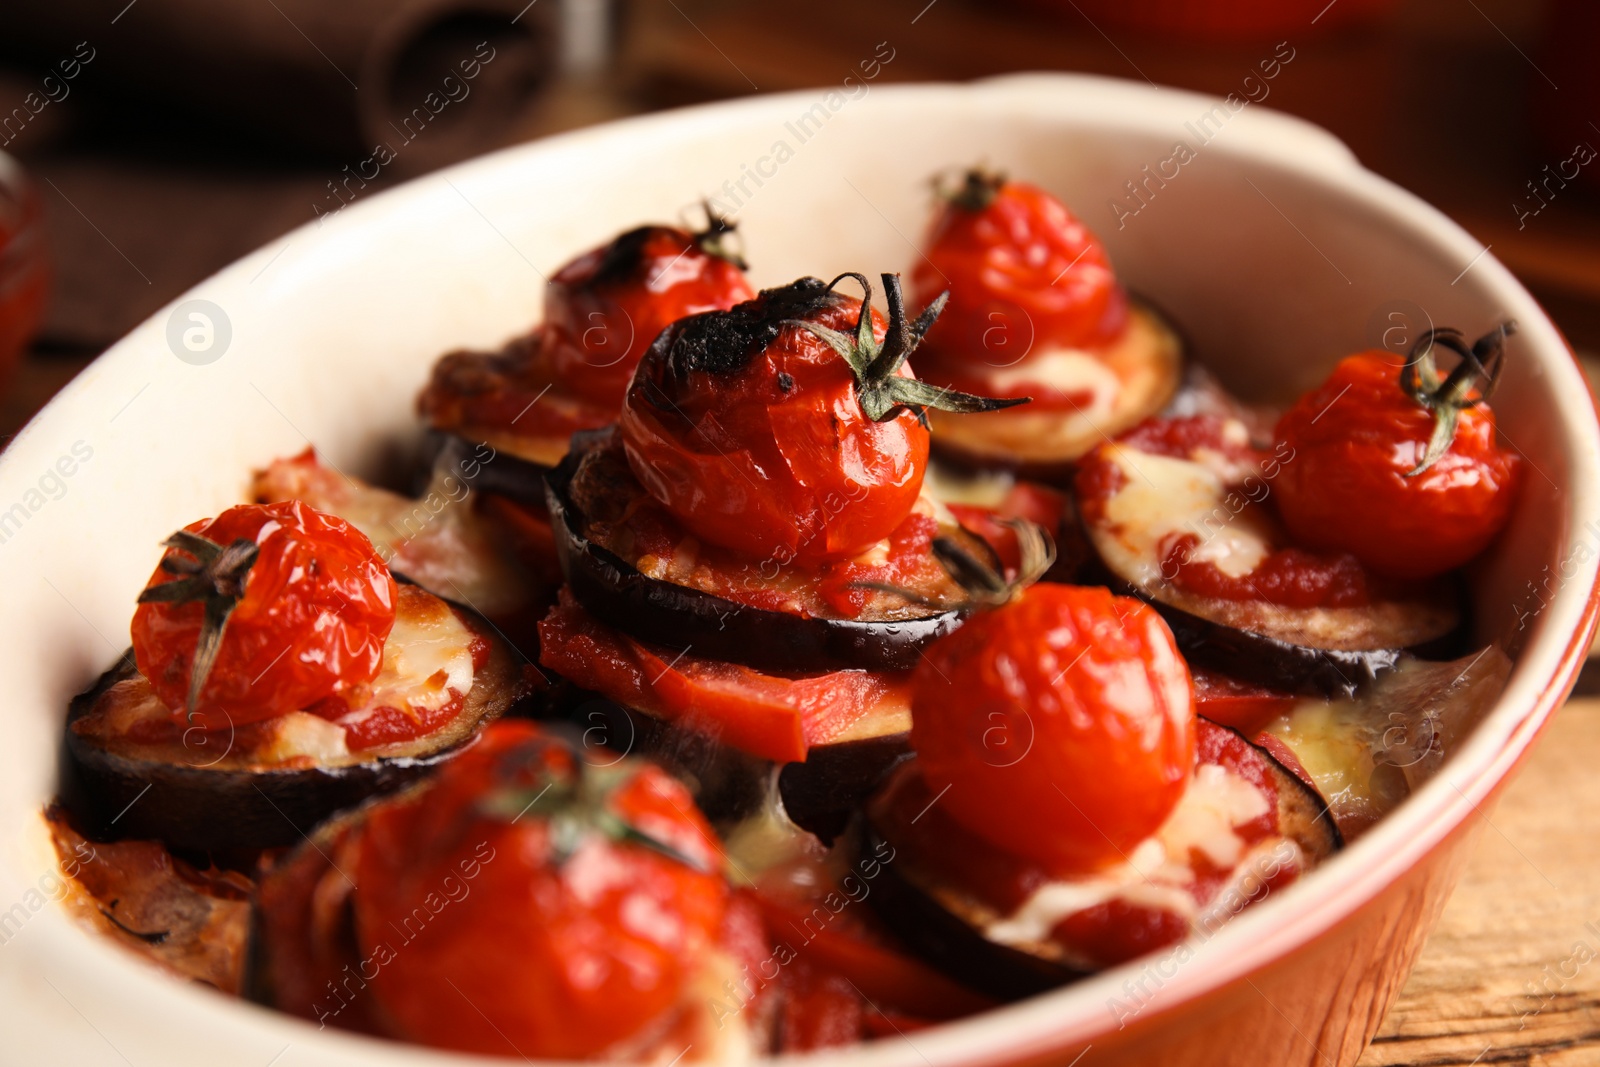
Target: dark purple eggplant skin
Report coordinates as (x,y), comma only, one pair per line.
(281,905)
(820,794)
(949,943)
(215,810)
(1257,657)
(961,951)
(677,617)
(507,475)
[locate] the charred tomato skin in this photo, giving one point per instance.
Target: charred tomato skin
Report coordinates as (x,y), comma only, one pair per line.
(602,310)
(1061,726)
(317,607)
(562,958)
(1354,440)
(1024,273)
(749,430)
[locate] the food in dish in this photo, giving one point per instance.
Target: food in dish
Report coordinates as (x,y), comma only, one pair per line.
(601,312)
(278,674)
(1036,310)
(849,723)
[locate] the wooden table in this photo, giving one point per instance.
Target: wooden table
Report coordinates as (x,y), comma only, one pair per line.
(1512,974)
(1438,101)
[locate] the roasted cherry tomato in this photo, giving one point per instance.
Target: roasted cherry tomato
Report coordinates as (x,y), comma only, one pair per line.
(567,907)
(603,309)
(748,428)
(308,605)
(1024,275)
(789,427)
(1060,726)
(1356,442)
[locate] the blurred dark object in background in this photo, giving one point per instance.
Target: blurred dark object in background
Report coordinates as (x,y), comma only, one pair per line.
(169,137)
(336,77)
(1223,20)
(23,272)
(1567,101)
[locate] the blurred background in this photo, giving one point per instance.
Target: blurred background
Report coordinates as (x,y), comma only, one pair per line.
(165,138)
(158,140)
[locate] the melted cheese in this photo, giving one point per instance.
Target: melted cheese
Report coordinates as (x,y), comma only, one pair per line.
(300,735)
(1217,802)
(427,661)
(1163,498)
(1073,372)
(1157,873)
(1125,383)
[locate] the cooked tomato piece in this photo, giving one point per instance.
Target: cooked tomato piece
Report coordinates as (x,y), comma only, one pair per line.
(601,311)
(308,604)
(1354,484)
(1242,706)
(788,427)
(882,974)
(820,1009)
(1041,505)
(512,391)
(1119,930)
(776,717)
(562,914)
(617,514)
(1059,726)
(748,428)
(1024,275)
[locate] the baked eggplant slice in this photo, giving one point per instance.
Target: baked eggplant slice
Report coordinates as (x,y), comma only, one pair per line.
(267,784)
(507,470)
(1177,513)
(1245,828)
(820,793)
(478,398)
(600,515)
(1079,397)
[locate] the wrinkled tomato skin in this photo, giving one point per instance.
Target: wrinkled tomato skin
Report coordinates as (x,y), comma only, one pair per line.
(1024,275)
(1354,438)
(318,605)
(775,460)
(515,954)
(1062,725)
(602,310)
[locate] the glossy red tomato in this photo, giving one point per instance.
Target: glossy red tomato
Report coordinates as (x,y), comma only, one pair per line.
(1060,726)
(1023,272)
(533,942)
(317,606)
(1354,440)
(749,429)
(603,309)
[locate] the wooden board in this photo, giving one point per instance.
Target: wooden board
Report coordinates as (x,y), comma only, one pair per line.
(1512,974)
